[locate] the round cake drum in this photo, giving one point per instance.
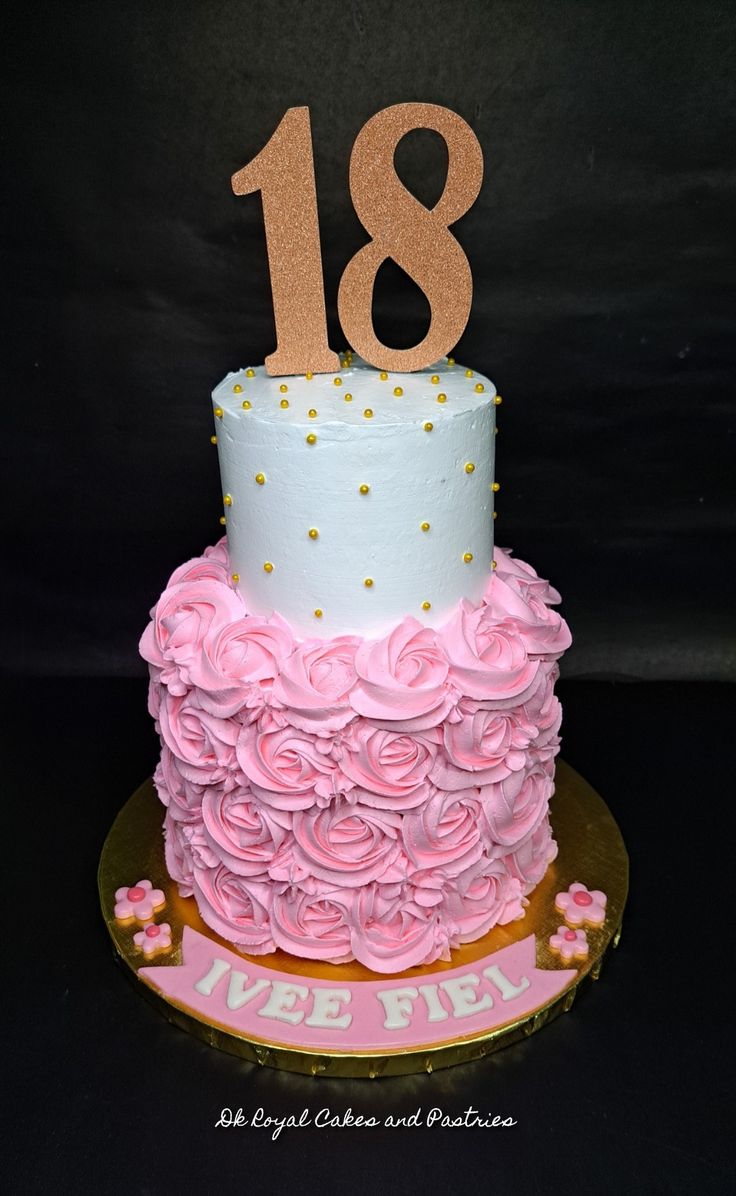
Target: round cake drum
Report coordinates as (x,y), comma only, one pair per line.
(344,1020)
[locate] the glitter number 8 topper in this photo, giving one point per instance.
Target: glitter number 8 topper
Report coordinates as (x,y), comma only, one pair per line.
(400,227)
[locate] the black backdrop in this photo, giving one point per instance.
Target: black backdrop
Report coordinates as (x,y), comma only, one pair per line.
(603,255)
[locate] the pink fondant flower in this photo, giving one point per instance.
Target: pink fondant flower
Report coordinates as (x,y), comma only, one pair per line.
(314,683)
(236,907)
(390,767)
(314,924)
(153,939)
(139,901)
(569,944)
(287,768)
(582,906)
(181,619)
(488,659)
(244,654)
(403,678)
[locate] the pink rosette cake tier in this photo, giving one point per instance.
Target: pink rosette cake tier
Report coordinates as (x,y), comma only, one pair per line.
(381,799)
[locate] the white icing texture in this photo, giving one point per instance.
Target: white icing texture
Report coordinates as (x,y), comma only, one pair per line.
(415,477)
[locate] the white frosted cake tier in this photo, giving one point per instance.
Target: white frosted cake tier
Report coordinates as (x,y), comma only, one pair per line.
(353,500)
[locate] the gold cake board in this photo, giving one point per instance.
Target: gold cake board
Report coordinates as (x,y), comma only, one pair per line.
(591,850)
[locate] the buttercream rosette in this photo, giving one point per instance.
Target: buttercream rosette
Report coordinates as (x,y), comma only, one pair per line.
(382,800)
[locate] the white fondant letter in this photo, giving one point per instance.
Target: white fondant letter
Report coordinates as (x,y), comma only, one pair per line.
(506,987)
(326,1008)
(206,985)
(283,998)
(461,991)
(436,1011)
(238,995)
(398,1005)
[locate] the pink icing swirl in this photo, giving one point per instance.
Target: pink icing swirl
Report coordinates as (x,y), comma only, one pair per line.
(382,801)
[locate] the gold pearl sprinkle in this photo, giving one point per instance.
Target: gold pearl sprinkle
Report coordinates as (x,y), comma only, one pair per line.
(398,391)
(450,360)
(495,431)
(213,440)
(268,567)
(494,564)
(309,375)
(383,376)
(479,388)
(368,413)
(313,533)
(364,489)
(467,557)
(435,379)
(495,514)
(468,373)
(237,389)
(283,388)
(284,403)
(497,400)
(236,578)
(312,413)
(318,613)
(368,582)
(227,500)
(426,606)
(261,478)
(442,398)
(250,373)
(469,467)
(247,404)
(223,520)
(496,486)
(348,397)
(424,526)
(428,426)
(337,381)
(219,412)
(311,438)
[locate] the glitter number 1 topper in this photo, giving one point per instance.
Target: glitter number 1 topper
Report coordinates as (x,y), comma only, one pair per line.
(400,227)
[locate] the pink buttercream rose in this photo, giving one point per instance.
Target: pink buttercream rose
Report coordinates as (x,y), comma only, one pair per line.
(313,924)
(244,835)
(489,744)
(219,552)
(391,932)
(530,859)
(236,907)
(203,744)
(236,659)
(389,766)
(182,617)
(344,844)
(182,796)
(202,568)
(513,808)
(287,768)
(314,684)
(445,832)
(525,604)
(487,659)
(178,859)
(402,678)
(476,900)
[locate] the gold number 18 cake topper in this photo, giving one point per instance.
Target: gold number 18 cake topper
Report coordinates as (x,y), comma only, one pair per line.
(417,238)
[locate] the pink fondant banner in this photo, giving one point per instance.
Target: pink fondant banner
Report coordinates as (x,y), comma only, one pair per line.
(358,1015)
